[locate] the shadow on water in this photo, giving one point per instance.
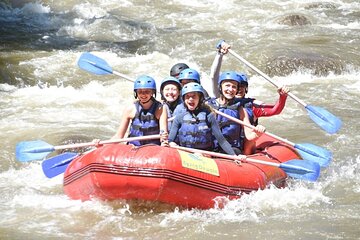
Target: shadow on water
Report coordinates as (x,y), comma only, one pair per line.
(34,28)
(23,30)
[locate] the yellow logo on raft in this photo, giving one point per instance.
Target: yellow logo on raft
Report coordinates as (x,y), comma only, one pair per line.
(199,163)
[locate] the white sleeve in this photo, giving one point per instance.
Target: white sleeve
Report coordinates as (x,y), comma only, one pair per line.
(215,72)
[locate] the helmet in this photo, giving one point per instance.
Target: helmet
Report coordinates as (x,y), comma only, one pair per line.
(192,87)
(240,78)
(177,68)
(244,79)
(191,74)
(170,80)
(145,82)
(232,75)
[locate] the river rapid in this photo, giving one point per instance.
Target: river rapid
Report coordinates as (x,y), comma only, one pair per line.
(312,46)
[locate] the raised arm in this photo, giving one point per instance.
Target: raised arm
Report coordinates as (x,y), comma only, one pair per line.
(215,72)
(267,110)
(222,48)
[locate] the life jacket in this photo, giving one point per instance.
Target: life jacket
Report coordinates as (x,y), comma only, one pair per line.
(230,129)
(248,104)
(145,123)
(195,131)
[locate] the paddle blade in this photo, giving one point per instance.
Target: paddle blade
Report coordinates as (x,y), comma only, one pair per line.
(94,64)
(58,164)
(32,150)
(301,169)
(327,121)
(314,153)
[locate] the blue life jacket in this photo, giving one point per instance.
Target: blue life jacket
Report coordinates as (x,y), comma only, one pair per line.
(231,130)
(248,104)
(195,131)
(180,109)
(145,123)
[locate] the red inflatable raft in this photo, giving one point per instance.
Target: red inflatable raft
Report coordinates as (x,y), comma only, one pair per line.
(167,175)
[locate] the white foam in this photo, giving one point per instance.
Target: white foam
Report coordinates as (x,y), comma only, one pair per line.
(254,207)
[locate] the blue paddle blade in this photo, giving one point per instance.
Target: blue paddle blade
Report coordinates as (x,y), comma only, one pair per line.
(314,153)
(301,169)
(58,164)
(324,119)
(94,64)
(32,150)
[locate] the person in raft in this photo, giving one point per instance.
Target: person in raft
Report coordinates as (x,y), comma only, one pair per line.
(197,126)
(255,108)
(170,90)
(146,116)
(242,139)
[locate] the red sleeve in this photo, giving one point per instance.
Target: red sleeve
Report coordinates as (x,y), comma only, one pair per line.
(267,110)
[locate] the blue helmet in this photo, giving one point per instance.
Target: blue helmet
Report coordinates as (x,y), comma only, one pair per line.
(240,78)
(192,87)
(167,80)
(244,78)
(144,82)
(190,74)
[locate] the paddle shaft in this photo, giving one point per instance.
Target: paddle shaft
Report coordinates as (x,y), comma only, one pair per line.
(265,76)
(123,76)
(99,63)
(222,155)
(252,127)
(79,145)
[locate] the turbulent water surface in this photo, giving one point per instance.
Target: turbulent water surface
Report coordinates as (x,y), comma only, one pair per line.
(312,46)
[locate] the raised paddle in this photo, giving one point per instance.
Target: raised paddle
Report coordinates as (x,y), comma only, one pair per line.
(326,120)
(91,63)
(296,168)
(307,151)
(37,150)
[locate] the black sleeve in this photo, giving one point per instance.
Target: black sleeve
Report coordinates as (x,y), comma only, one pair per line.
(225,145)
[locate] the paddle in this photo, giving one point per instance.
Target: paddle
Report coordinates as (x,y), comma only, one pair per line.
(296,168)
(58,164)
(327,121)
(36,150)
(91,63)
(307,151)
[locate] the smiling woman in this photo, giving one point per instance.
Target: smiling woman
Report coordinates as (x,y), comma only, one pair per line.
(242,140)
